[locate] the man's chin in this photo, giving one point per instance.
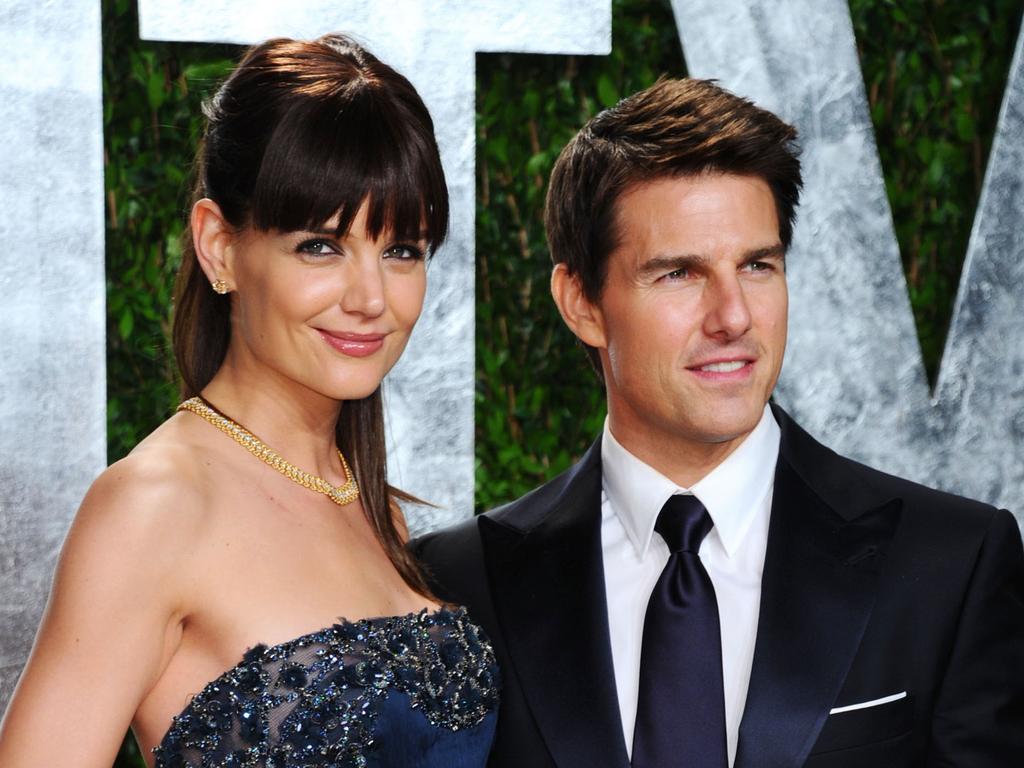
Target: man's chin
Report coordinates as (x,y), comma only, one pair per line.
(733,428)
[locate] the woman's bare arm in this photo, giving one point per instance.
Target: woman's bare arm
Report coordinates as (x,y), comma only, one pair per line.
(110,625)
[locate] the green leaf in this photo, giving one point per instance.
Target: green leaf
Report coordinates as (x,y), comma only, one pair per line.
(498,148)
(531,102)
(155,89)
(126,324)
(537,164)
(965,127)
(208,70)
(606,91)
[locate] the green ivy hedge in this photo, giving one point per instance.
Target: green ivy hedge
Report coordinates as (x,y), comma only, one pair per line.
(935,73)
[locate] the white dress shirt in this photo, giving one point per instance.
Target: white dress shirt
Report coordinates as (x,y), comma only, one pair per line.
(738,497)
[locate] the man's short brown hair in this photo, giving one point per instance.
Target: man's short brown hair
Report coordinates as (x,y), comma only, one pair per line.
(674,128)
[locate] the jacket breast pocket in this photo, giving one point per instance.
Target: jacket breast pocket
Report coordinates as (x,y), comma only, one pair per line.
(851,727)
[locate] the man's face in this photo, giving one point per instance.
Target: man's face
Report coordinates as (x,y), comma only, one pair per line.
(691,323)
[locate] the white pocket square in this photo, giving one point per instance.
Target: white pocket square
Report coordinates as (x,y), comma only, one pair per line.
(866,704)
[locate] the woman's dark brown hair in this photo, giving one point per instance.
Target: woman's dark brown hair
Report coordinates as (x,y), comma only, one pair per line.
(301,132)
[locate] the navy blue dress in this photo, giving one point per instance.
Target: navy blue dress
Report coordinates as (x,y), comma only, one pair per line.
(415,691)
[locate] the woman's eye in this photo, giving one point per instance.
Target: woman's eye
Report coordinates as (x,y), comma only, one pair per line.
(404,253)
(316,247)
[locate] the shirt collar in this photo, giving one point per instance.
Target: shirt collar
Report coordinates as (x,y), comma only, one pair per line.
(732,492)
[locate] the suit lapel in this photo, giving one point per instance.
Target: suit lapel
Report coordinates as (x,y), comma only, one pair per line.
(547,583)
(826,546)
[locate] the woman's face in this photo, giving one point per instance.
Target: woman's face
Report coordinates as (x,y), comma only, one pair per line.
(331,313)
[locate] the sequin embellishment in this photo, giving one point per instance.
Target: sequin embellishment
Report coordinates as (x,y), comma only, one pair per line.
(314,701)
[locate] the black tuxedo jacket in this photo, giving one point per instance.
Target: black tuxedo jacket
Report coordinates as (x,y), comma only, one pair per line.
(872,586)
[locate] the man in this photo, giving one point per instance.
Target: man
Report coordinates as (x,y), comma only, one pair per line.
(710,586)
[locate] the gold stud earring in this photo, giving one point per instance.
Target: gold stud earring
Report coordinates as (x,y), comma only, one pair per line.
(219,286)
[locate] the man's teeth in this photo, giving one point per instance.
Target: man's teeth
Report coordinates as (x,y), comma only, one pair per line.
(733,365)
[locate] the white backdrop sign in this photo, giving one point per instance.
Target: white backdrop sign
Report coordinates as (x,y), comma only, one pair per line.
(52,320)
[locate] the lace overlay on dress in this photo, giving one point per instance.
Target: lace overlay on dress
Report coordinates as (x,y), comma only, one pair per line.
(316,700)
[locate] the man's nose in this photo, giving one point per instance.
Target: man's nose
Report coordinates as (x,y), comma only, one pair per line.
(727,314)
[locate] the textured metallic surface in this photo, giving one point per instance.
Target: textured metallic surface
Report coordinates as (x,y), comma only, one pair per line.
(853,374)
(52,320)
(430,393)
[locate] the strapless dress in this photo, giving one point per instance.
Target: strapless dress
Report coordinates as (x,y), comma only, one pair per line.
(414,691)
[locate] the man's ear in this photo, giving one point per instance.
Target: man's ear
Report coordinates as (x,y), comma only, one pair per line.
(583,317)
(212,238)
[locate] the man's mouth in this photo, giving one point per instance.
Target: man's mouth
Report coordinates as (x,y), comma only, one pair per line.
(724,367)
(728,370)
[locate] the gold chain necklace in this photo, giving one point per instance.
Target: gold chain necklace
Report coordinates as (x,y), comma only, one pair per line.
(339,494)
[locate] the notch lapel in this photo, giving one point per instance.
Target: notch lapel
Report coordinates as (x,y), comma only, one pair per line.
(547,584)
(827,541)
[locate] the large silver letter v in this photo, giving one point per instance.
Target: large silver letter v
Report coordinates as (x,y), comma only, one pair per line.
(854,374)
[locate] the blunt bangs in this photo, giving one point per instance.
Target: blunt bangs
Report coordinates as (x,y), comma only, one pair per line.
(334,151)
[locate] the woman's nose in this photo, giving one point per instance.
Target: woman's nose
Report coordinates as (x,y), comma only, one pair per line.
(364,289)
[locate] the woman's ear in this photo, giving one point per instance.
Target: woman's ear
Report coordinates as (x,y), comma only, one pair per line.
(212,238)
(583,317)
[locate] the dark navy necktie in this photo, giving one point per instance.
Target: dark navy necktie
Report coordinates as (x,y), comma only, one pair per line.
(680,717)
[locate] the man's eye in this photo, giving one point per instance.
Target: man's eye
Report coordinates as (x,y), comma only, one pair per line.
(404,253)
(678,274)
(315,247)
(760,266)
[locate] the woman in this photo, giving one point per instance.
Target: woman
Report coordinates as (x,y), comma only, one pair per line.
(320,193)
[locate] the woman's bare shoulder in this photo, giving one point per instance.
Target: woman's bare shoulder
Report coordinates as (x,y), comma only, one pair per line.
(158,493)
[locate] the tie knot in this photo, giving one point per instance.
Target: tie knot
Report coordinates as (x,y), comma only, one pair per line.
(683,523)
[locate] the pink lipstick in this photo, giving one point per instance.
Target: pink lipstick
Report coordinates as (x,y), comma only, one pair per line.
(353,344)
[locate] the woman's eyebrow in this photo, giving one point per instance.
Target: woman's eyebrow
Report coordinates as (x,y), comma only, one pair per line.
(423,234)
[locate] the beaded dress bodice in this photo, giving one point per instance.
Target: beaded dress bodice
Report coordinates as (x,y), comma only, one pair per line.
(419,690)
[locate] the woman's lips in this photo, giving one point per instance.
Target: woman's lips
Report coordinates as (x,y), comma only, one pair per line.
(353,344)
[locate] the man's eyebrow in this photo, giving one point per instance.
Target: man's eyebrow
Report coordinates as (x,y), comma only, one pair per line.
(670,263)
(776,251)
